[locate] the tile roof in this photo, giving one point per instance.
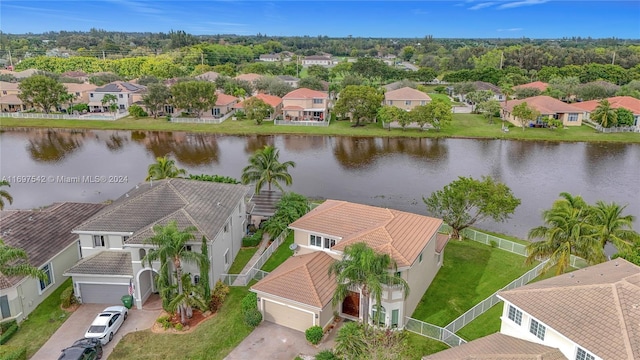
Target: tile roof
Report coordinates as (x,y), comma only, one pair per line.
(302,278)
(72,87)
(630,103)
(287,78)
(542,86)
(317,57)
(482,85)
(499,347)
(104,263)
(5,85)
(189,202)
(272,100)
(400,234)
(546,105)
(224,99)
(12,99)
(249,77)
(121,86)
(597,307)
(24,229)
(74,74)
(406,93)
(209,76)
(304,93)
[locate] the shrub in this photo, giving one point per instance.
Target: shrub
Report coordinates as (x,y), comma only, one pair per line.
(249,302)
(6,325)
(178,327)
(137,111)
(253,240)
(13,353)
(165,321)
(326,355)
(314,334)
(220,292)
(8,332)
(79,108)
(252,317)
(493,243)
(67,297)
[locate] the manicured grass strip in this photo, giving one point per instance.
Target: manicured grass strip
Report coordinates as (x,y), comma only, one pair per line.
(485,324)
(243,257)
(419,346)
(280,255)
(41,323)
(470,273)
(212,339)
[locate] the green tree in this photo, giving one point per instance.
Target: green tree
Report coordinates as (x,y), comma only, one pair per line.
(171,244)
(408,52)
(612,227)
(137,112)
(41,91)
(110,101)
(319,72)
(312,83)
(164,168)
(624,117)
(604,114)
(364,269)
(289,208)
(256,109)
(360,102)
(13,262)
(467,201)
(156,98)
(477,97)
(4,195)
(68,99)
(194,96)
(204,269)
(388,114)
(265,168)
(489,109)
(439,113)
(525,114)
(421,115)
(523,93)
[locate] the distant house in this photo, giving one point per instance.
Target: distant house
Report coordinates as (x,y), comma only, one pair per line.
(406,98)
(208,76)
(80,91)
(79,75)
(305,105)
(290,80)
(9,88)
(497,93)
(250,78)
(45,235)
(548,107)
(274,101)
(9,100)
(591,313)
(20,74)
(127,93)
(322,60)
(626,102)
(224,105)
(538,85)
(284,56)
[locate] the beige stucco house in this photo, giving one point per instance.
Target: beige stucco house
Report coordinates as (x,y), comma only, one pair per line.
(548,107)
(626,102)
(305,105)
(406,98)
(80,91)
(125,92)
(274,101)
(298,294)
(113,242)
(224,105)
(322,60)
(53,253)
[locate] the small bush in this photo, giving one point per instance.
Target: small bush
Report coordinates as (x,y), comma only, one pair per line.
(165,321)
(249,302)
(5,325)
(13,353)
(314,334)
(178,327)
(220,292)
(137,111)
(8,332)
(253,240)
(67,297)
(493,243)
(326,355)
(253,317)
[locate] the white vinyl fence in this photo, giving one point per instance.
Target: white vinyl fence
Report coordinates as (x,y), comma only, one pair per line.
(88,116)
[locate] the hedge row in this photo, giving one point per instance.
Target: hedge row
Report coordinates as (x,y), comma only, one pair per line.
(8,329)
(13,353)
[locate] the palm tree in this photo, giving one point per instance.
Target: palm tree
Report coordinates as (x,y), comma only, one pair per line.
(171,245)
(265,168)
(362,268)
(604,114)
(566,232)
(4,194)
(13,262)
(614,228)
(164,168)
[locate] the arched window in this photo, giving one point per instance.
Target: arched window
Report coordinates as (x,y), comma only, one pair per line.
(378,315)
(142,253)
(196,279)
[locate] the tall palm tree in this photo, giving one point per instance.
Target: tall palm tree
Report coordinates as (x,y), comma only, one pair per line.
(614,228)
(164,168)
(265,169)
(362,268)
(171,245)
(13,262)
(566,231)
(604,114)
(4,195)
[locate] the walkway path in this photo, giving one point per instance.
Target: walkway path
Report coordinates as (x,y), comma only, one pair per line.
(254,259)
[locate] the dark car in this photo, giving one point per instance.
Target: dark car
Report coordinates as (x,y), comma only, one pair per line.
(83,349)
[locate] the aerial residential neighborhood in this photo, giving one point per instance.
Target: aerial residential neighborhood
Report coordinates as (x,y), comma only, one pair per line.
(331,181)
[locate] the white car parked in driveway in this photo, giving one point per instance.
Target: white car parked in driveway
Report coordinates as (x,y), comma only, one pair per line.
(107,323)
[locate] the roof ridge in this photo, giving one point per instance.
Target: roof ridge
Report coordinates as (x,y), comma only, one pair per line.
(310,278)
(623,326)
(556,288)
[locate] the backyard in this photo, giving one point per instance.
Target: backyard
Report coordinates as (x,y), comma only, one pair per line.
(243,257)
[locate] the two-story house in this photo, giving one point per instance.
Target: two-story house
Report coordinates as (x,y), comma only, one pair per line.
(126,94)
(298,294)
(305,105)
(9,100)
(45,235)
(80,92)
(322,60)
(114,242)
(548,107)
(274,101)
(406,98)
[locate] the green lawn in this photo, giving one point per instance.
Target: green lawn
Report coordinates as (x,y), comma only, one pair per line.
(419,346)
(485,324)
(243,257)
(41,323)
(280,255)
(503,236)
(470,273)
(212,339)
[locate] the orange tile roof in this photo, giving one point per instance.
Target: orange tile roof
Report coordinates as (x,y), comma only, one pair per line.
(542,86)
(304,93)
(5,85)
(406,93)
(72,87)
(499,347)
(303,279)
(630,103)
(12,99)
(249,77)
(272,100)
(224,99)
(400,234)
(597,307)
(546,105)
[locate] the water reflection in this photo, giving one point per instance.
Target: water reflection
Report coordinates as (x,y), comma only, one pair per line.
(301,143)
(355,153)
(196,149)
(601,161)
(256,142)
(53,146)
(428,150)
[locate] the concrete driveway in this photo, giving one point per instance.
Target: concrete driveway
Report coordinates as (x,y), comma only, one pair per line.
(276,342)
(77,324)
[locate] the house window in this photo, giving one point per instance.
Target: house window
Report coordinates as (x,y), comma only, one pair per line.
(317,101)
(329,243)
(215,112)
(398,274)
(48,277)
(395,315)
(4,92)
(226,228)
(390,102)
(77,94)
(573,117)
(378,315)
(124,239)
(537,329)
(420,258)
(98,240)
(121,96)
(90,95)
(5,310)
(407,102)
(226,257)
(582,354)
(142,253)
(515,315)
(423,102)
(121,107)
(188,248)
(316,240)
(196,280)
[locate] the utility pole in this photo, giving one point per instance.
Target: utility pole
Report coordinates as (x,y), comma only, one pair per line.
(10,60)
(202,58)
(104,57)
(613,61)
(501,59)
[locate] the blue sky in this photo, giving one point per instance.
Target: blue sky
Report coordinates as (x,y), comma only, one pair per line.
(412,19)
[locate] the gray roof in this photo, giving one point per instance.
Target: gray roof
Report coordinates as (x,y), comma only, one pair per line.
(24,229)
(104,263)
(499,346)
(482,85)
(120,86)
(205,205)
(287,78)
(265,202)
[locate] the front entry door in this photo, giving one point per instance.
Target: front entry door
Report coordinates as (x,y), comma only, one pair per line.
(351,304)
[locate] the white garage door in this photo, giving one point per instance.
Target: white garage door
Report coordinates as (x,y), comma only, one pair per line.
(287,316)
(103,294)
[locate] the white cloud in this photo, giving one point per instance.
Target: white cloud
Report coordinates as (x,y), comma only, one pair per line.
(515,4)
(510,29)
(419,12)
(482,5)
